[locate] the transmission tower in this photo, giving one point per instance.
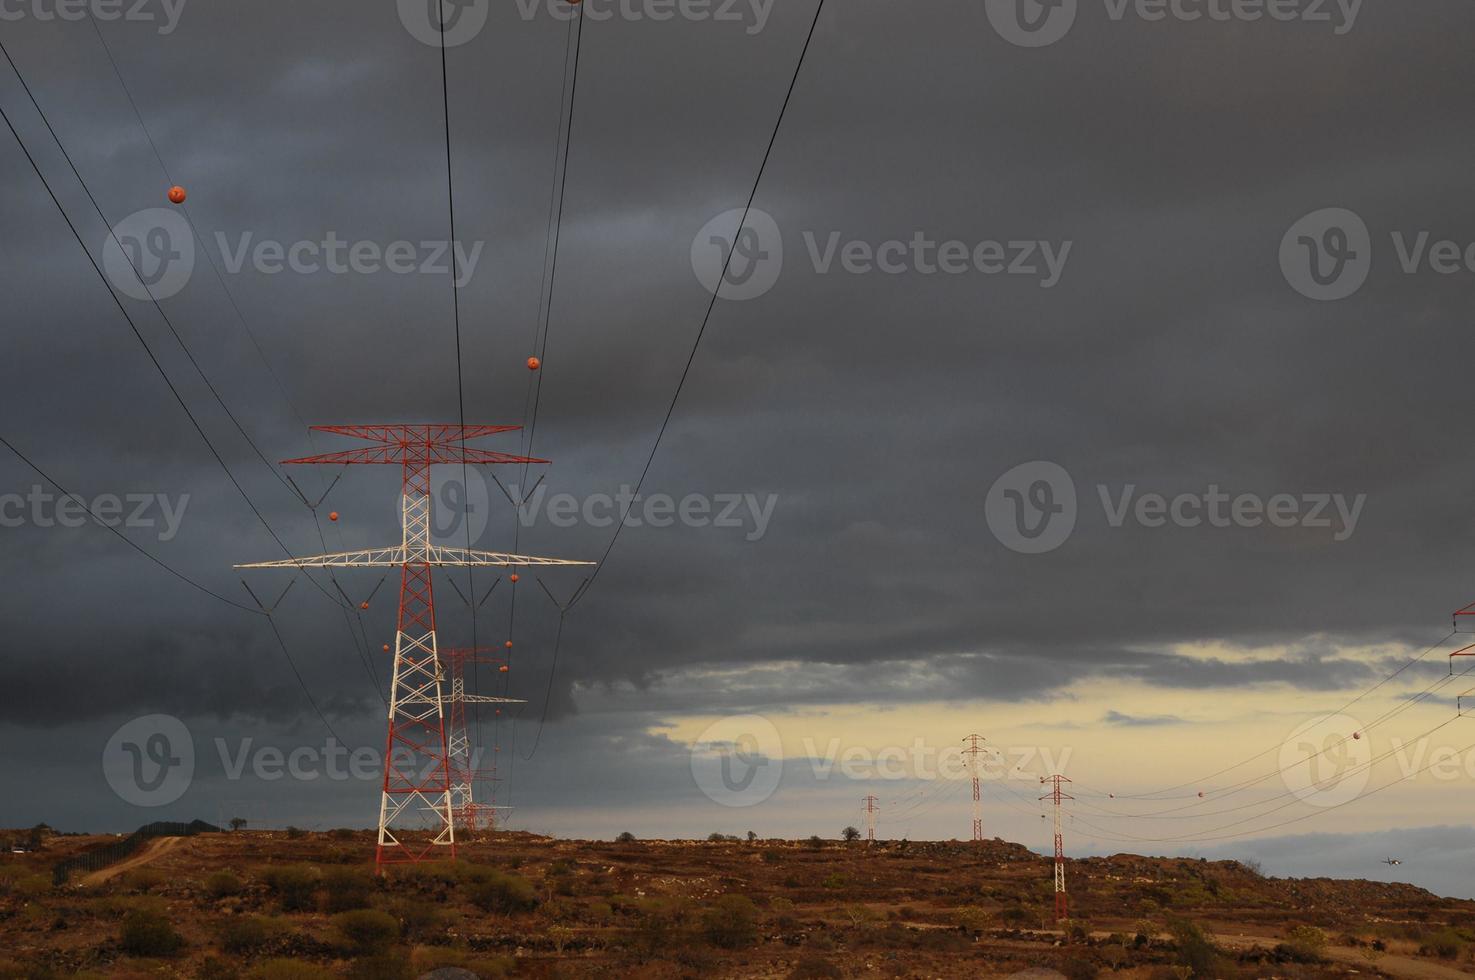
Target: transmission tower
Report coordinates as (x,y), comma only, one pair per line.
(870,805)
(470,814)
(1056,796)
(972,753)
(417,772)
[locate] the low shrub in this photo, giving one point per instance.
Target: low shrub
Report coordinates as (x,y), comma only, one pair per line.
(222,884)
(148,933)
(345,889)
(285,969)
(293,884)
(731,922)
(815,968)
(245,935)
(495,891)
(367,931)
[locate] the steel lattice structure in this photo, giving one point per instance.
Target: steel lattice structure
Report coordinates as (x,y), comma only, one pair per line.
(1055,795)
(972,753)
(417,756)
(470,814)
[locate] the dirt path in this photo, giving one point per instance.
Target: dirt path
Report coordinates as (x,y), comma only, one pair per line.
(155,848)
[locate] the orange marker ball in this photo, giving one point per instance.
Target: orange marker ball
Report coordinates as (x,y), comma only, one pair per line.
(514,576)
(363,605)
(386,648)
(534,364)
(503,669)
(177,194)
(508,644)
(333,515)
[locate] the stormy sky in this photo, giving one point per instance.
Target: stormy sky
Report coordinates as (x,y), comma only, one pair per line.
(1080,253)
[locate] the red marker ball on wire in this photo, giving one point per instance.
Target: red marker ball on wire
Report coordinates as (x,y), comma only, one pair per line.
(177,194)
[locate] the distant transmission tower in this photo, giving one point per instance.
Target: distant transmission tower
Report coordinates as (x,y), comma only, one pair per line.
(470,814)
(972,753)
(870,803)
(417,772)
(1056,796)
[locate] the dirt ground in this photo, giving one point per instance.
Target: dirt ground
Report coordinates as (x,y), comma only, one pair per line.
(277,905)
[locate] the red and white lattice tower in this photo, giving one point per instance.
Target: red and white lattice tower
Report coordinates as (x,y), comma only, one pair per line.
(870,804)
(470,813)
(972,752)
(417,775)
(1056,796)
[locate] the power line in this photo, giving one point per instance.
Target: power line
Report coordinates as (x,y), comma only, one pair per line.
(716,292)
(362,650)
(1244,762)
(123,537)
(159,307)
(542,327)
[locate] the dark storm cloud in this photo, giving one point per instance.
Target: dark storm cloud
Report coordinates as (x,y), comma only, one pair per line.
(879,408)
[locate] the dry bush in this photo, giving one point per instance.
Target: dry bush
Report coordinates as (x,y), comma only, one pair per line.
(285,969)
(494,891)
(731,922)
(147,933)
(293,884)
(345,889)
(222,884)
(367,931)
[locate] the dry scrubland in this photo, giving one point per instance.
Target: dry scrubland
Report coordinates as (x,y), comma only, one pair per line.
(299,905)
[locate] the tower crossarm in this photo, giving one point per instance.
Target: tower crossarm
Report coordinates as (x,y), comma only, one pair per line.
(398,556)
(487,699)
(432,454)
